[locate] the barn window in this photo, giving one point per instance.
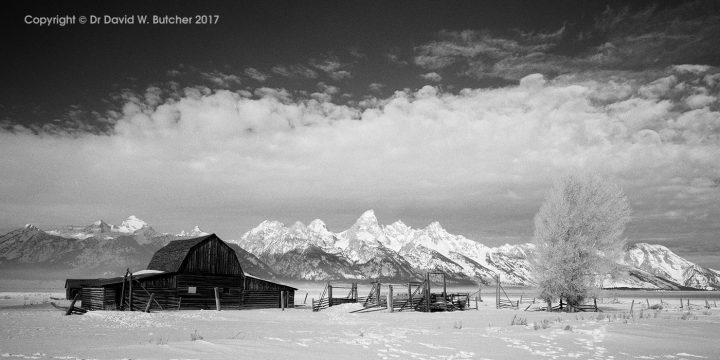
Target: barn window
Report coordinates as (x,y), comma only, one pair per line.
(226,290)
(192,290)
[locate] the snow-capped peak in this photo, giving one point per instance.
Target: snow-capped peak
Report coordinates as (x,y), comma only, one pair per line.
(368,216)
(436,228)
(31,227)
(661,261)
(317,226)
(298,226)
(193,233)
(399,226)
(132,224)
(268,227)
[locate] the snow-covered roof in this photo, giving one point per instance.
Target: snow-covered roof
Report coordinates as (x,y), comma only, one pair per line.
(143,272)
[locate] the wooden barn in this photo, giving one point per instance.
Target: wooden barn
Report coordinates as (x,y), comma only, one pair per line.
(199,273)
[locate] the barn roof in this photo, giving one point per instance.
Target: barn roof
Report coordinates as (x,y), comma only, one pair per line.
(171,256)
(268,281)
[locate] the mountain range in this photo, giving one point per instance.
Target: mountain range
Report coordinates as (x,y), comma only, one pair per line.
(367,250)
(96,250)
(396,252)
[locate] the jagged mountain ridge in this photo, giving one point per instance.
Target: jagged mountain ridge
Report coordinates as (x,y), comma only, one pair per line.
(99,249)
(369,250)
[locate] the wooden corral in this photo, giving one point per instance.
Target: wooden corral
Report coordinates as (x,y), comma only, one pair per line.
(330,296)
(410,296)
(419,296)
(503,301)
(200,273)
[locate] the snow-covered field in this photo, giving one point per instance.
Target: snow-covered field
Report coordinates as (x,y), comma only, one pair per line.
(31,328)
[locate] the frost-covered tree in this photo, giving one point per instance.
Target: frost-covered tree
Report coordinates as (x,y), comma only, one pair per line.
(577,237)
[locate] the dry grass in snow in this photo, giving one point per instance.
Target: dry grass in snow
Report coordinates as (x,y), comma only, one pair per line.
(39,331)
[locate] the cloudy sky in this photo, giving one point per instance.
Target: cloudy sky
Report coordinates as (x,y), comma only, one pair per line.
(457,111)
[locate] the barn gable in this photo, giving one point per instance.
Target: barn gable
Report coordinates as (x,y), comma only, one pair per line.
(203,255)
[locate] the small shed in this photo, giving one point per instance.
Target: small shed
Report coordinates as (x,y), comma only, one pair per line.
(185,274)
(261,293)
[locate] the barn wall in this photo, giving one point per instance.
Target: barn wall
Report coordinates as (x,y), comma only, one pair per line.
(230,288)
(175,293)
(260,293)
(165,299)
(212,257)
(97,298)
(164,282)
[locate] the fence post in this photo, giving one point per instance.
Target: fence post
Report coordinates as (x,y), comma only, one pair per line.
(497,291)
(147,307)
(329,288)
(217,298)
(377,296)
(72,305)
(631,308)
(427,286)
(130,302)
(122,292)
(390,298)
(282,300)
(444,287)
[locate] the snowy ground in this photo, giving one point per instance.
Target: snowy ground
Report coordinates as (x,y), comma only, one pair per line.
(31,328)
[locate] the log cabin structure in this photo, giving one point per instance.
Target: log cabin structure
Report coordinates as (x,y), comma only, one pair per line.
(199,273)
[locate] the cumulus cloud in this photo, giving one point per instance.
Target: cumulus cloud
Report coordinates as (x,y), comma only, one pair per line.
(332,66)
(220,79)
(376,87)
(231,151)
(256,74)
(432,76)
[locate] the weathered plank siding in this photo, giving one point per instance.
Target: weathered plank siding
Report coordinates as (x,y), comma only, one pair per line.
(97,298)
(212,257)
(165,282)
(230,291)
(259,293)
